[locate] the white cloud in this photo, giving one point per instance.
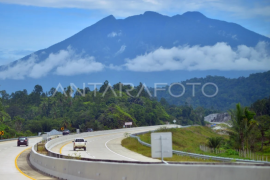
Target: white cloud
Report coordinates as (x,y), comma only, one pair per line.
(113,67)
(81,66)
(218,57)
(20,70)
(114,34)
(121,50)
(65,62)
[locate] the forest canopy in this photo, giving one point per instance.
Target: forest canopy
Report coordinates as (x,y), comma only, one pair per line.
(25,113)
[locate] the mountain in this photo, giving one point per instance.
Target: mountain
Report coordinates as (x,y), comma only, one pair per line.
(229,91)
(145,48)
(113,40)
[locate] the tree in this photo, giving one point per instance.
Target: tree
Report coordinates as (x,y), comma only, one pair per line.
(164,102)
(18,123)
(35,96)
(66,123)
(104,86)
(82,127)
(242,122)
(263,123)
(249,123)
(52,90)
(5,97)
(69,91)
(1,106)
(214,142)
(38,90)
(142,91)
(14,110)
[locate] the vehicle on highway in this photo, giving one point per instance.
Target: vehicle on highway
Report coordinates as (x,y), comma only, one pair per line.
(79,143)
(66,132)
(22,141)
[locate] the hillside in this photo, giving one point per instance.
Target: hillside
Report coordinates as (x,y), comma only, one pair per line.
(189,140)
(230,91)
(23,113)
(183,139)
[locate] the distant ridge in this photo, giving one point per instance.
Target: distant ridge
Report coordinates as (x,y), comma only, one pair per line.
(141,34)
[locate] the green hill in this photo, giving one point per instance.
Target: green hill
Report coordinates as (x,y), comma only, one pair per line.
(41,111)
(244,90)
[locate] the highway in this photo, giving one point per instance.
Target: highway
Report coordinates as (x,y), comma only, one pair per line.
(8,153)
(107,146)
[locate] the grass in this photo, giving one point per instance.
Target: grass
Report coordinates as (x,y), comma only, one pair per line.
(41,148)
(187,139)
(133,145)
(184,139)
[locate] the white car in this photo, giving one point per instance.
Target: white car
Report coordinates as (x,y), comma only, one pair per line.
(79,143)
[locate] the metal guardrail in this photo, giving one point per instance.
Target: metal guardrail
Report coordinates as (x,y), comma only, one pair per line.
(57,155)
(201,156)
(181,153)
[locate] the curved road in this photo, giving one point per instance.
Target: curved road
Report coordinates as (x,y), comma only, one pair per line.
(107,146)
(8,154)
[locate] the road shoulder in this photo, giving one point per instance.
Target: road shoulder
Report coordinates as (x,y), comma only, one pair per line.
(25,166)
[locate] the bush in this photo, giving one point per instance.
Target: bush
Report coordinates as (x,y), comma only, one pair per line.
(28,133)
(214,142)
(231,152)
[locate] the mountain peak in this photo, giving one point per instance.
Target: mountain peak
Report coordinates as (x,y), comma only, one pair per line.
(110,17)
(194,14)
(151,13)
(107,20)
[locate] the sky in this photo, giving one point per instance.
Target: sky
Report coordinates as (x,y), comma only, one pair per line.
(28,26)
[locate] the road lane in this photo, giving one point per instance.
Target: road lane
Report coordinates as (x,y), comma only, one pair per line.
(107,146)
(8,154)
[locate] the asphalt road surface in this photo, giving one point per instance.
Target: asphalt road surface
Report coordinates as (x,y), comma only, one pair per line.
(107,146)
(8,153)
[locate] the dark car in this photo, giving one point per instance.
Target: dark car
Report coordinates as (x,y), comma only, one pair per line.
(65,132)
(89,130)
(22,141)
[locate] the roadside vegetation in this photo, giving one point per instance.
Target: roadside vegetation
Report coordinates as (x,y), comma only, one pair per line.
(184,139)
(204,140)
(133,145)
(41,148)
(26,114)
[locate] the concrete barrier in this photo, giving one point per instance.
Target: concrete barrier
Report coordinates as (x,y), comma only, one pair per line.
(85,170)
(99,170)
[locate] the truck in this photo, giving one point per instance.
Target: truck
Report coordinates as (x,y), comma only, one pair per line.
(79,143)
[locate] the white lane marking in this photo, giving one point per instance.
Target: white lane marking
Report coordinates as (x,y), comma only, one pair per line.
(90,155)
(117,153)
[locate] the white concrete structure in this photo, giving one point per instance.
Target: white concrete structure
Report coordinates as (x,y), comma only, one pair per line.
(83,170)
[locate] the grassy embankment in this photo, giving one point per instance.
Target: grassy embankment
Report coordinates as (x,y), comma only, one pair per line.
(184,139)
